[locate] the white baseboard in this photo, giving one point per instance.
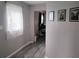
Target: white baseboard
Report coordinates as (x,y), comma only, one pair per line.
(19,49)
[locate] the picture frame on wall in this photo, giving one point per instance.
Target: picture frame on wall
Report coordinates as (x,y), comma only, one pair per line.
(62,15)
(74,14)
(51,15)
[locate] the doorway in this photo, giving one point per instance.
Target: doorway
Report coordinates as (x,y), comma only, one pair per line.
(40,25)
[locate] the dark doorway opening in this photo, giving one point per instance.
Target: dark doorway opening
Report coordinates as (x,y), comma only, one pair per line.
(40,25)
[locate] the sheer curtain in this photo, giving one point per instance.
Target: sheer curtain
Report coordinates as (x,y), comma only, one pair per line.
(14,19)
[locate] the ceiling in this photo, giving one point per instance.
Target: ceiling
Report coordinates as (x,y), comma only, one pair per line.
(35,2)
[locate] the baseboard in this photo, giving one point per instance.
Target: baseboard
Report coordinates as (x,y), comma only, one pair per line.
(19,49)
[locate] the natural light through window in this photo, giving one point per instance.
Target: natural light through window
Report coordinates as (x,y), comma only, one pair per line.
(42,18)
(14,18)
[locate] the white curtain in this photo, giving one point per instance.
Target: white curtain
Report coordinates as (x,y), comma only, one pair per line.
(14,19)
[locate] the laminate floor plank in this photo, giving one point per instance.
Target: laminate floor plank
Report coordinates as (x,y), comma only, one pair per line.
(35,50)
(39,53)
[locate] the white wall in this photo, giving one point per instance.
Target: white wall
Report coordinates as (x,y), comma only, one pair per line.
(8,46)
(3,42)
(62,38)
(36,7)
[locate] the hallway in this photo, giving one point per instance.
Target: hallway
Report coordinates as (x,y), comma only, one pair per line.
(35,50)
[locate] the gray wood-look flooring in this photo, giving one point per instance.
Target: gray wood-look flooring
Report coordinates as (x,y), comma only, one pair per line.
(35,50)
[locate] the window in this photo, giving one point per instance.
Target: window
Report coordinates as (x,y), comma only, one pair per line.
(14,18)
(42,18)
